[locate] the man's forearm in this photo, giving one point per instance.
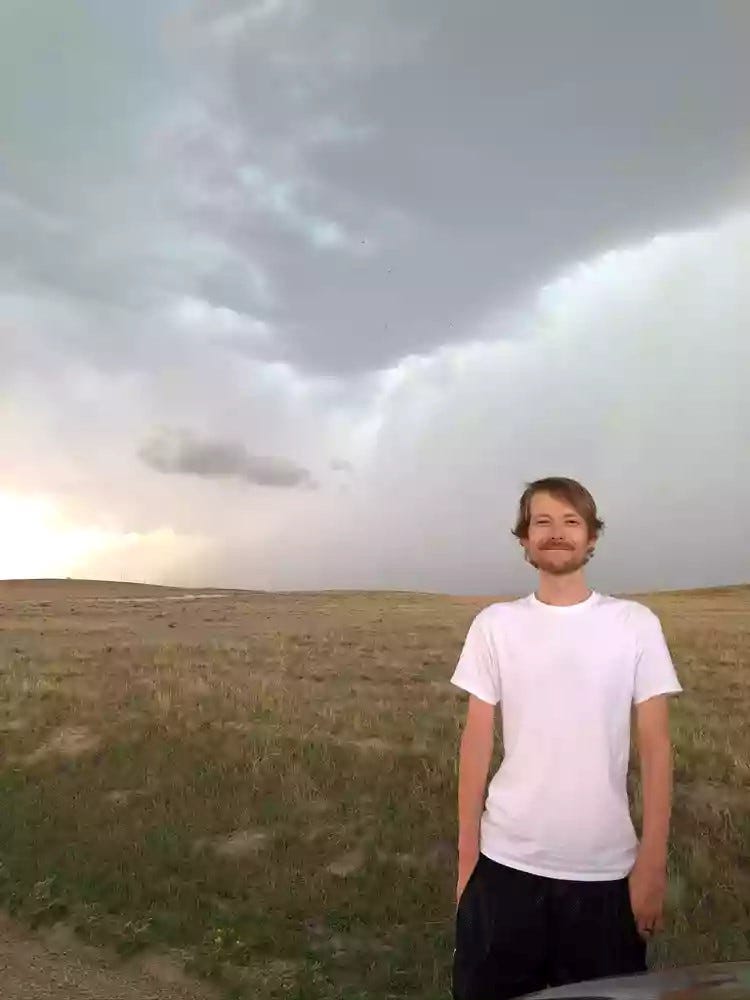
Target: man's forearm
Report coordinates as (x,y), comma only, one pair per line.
(656,784)
(474,765)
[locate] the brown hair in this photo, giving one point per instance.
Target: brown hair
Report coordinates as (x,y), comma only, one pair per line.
(568,490)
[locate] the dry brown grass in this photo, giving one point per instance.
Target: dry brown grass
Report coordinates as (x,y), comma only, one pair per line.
(265,784)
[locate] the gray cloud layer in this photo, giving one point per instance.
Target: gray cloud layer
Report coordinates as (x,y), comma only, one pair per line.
(362,181)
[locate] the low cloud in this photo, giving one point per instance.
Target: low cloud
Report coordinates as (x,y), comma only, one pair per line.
(180,452)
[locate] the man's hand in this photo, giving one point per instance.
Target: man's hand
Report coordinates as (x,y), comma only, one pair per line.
(467,860)
(648,889)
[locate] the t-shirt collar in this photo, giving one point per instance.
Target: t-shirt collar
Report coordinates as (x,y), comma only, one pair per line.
(565,608)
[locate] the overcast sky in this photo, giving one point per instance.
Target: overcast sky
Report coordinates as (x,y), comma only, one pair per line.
(300,294)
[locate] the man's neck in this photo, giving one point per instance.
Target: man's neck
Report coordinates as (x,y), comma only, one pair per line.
(562,590)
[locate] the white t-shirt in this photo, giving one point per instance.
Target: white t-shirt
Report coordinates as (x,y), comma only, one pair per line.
(565,679)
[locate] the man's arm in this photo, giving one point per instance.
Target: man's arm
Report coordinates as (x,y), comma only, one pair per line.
(474,764)
(648,879)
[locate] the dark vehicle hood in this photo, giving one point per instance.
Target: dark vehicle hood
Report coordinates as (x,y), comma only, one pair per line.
(724,981)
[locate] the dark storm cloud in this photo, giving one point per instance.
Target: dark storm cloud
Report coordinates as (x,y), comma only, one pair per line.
(181,452)
(490,144)
(369,179)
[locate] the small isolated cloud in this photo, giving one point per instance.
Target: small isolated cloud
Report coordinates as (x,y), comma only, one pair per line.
(341,465)
(182,453)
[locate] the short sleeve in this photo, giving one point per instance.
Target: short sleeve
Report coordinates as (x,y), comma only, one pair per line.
(654,670)
(477,670)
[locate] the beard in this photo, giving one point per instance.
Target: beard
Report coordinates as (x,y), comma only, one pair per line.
(557,563)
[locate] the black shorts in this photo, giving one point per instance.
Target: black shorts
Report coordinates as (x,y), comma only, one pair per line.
(518,933)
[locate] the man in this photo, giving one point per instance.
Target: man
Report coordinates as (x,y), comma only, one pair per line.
(553,884)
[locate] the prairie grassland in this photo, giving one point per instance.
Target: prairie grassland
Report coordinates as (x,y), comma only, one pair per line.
(263,786)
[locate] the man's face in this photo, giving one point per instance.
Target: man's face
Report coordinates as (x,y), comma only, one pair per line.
(558,541)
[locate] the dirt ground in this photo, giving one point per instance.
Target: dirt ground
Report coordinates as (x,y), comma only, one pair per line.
(53,966)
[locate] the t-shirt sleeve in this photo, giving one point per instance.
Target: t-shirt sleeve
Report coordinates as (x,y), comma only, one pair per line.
(654,670)
(477,670)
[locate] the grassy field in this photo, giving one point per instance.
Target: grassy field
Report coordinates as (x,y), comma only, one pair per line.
(264,785)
